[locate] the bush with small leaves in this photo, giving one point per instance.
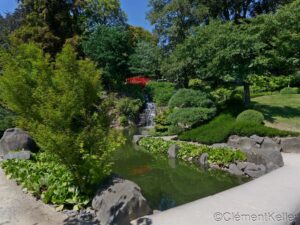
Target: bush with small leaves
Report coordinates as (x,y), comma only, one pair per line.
(251,116)
(187,98)
(188,117)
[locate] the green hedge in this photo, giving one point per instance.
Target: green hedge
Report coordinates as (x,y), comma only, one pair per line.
(161,92)
(220,128)
(216,131)
(252,116)
(221,156)
(47,179)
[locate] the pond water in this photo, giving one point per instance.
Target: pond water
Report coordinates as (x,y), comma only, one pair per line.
(168,183)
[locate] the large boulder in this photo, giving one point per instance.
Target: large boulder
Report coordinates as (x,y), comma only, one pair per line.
(257,139)
(243,143)
(16,139)
(270,144)
(290,145)
(234,170)
(120,203)
(260,151)
(26,155)
(254,170)
(270,158)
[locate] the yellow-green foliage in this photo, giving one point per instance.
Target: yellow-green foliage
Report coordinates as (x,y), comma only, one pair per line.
(46,178)
(220,156)
(59,104)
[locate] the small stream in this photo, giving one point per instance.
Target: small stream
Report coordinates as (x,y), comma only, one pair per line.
(168,183)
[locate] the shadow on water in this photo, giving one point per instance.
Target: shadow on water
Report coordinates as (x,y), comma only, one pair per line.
(168,183)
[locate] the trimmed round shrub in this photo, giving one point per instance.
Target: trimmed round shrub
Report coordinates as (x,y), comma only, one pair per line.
(289,90)
(189,98)
(251,116)
(188,117)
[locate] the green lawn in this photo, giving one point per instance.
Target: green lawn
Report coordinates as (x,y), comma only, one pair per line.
(280,111)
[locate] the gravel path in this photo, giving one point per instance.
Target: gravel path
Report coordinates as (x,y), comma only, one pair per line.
(18,208)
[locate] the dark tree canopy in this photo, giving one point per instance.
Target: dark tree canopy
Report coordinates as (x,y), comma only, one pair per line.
(51,23)
(110,48)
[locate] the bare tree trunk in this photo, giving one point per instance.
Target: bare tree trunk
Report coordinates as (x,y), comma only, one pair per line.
(246,94)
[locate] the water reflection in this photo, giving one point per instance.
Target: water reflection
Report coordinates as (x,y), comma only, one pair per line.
(167,183)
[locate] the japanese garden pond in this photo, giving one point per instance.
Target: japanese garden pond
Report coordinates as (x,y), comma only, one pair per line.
(167,183)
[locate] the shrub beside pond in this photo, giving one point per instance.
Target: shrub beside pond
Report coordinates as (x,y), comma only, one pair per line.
(220,128)
(222,156)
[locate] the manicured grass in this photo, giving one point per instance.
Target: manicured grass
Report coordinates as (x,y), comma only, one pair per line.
(280,111)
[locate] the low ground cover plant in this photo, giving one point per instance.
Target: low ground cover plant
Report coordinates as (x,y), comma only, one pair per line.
(222,156)
(47,179)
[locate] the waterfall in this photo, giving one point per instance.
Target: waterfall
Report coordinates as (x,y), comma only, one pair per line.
(150,113)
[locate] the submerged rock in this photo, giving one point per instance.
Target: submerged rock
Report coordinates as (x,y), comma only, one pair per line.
(203,160)
(120,203)
(172,152)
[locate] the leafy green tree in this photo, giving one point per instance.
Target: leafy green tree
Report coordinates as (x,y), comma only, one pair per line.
(110,48)
(59,104)
(145,59)
(174,19)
